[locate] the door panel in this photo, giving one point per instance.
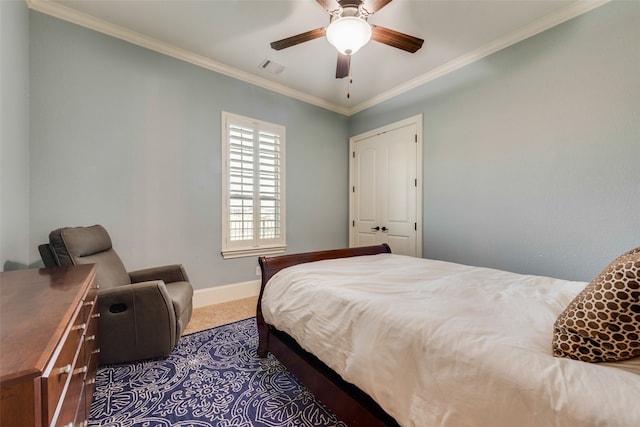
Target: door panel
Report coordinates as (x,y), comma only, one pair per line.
(367,204)
(368,239)
(402,245)
(367,185)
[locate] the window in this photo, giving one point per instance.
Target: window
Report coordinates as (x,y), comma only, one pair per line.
(253,208)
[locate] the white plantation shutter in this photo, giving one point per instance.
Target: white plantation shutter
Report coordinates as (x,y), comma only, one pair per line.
(253,212)
(269,191)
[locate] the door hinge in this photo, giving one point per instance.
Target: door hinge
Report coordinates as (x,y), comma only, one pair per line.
(416,138)
(415,182)
(415,226)
(353,154)
(353,223)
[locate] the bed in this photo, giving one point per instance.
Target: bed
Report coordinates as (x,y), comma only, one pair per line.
(387,340)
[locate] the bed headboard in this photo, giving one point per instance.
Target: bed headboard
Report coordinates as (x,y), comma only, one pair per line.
(271,265)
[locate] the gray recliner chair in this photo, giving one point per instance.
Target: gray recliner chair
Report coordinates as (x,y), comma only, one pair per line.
(142,313)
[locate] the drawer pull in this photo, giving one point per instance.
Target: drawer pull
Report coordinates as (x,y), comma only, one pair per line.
(90,303)
(80,327)
(91,381)
(95,316)
(80,370)
(66,369)
(96,351)
(90,338)
(68,425)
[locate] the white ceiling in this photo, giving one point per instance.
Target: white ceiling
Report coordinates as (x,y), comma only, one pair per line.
(232,37)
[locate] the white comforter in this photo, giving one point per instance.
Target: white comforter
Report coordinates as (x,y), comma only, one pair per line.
(443,344)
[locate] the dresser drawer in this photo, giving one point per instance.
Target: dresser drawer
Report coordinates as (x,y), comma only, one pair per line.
(91,346)
(71,404)
(62,368)
(90,302)
(91,349)
(89,356)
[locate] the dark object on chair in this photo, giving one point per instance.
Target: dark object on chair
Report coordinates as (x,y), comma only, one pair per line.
(142,313)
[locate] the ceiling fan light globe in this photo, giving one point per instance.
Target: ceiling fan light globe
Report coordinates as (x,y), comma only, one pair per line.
(348,34)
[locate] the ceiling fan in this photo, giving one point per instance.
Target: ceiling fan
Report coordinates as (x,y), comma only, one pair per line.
(349,30)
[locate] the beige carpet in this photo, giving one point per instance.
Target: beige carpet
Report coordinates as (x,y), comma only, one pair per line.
(220,314)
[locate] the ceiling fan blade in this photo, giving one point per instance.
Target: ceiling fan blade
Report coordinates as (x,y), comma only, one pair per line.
(297,39)
(329,5)
(396,39)
(372,6)
(344,63)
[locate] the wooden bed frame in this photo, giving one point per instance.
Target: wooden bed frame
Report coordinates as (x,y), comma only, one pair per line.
(348,402)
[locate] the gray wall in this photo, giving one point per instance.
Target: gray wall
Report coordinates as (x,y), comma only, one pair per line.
(531,155)
(14,134)
(130,139)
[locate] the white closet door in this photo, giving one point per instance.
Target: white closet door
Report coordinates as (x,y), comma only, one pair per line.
(384,189)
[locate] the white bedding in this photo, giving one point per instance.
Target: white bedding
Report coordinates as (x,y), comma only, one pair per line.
(443,344)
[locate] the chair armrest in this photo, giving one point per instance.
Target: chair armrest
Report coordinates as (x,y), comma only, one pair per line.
(166,273)
(136,322)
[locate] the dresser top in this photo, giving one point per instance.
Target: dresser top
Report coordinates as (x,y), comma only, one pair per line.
(36,307)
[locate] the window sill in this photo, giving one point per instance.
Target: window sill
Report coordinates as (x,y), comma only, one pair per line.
(246,252)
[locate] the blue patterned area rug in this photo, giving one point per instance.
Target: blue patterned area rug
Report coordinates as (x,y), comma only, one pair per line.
(212,378)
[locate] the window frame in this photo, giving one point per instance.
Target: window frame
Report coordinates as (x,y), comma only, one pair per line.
(256,246)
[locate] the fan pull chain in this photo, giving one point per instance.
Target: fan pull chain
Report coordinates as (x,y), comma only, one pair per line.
(349,82)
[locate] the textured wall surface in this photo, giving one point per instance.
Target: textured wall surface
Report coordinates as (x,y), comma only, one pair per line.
(531,154)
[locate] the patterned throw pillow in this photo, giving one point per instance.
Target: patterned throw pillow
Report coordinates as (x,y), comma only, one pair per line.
(602,323)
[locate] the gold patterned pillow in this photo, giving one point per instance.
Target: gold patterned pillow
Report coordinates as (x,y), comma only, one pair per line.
(602,323)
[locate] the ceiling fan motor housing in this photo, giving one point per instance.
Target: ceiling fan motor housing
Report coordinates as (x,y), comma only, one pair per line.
(356,10)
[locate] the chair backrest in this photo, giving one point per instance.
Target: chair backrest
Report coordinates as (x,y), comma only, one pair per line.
(47,255)
(89,245)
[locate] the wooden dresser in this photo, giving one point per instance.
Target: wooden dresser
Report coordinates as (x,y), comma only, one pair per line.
(48,347)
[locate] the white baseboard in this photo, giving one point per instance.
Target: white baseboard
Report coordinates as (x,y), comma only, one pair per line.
(225,293)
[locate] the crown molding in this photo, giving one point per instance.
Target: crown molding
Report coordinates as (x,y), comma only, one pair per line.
(79,18)
(67,14)
(563,15)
